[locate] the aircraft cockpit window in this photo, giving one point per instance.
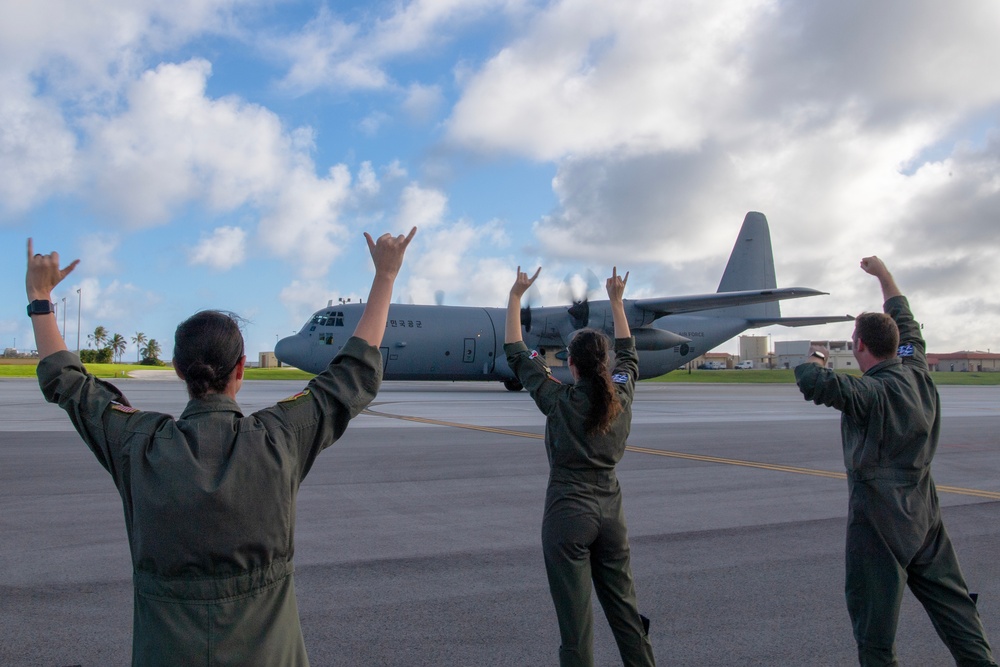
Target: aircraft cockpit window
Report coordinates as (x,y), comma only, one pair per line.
(330,319)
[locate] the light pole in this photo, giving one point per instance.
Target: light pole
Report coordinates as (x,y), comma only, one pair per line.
(79,310)
(64,319)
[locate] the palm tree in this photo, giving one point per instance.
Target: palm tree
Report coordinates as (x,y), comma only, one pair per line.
(140,340)
(151,350)
(117,343)
(98,337)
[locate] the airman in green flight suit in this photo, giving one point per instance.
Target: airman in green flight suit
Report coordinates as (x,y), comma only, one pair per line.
(209,498)
(890,424)
(584,536)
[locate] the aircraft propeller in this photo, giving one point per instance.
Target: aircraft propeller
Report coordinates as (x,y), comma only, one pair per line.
(526,317)
(526,309)
(579,312)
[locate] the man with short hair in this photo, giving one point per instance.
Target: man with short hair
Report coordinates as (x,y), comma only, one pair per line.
(890,424)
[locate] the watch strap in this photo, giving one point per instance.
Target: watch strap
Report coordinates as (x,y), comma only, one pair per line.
(41,307)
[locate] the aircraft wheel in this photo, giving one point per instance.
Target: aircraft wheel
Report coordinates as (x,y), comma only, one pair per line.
(512,385)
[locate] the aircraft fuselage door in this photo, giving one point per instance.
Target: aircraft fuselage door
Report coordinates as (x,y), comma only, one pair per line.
(470,350)
(385,357)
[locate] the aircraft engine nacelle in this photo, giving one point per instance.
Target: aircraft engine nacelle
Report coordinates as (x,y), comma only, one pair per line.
(648,339)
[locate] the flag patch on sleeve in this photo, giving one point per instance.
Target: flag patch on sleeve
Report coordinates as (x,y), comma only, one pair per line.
(534,354)
(295,397)
(619,378)
(905,350)
(127,409)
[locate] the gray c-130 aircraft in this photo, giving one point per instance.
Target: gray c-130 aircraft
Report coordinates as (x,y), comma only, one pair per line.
(433,342)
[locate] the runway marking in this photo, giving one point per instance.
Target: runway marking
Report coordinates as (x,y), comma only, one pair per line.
(977,493)
(438,422)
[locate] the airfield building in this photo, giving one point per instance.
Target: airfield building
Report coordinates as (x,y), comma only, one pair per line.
(790,354)
(268,360)
(964,362)
(755,349)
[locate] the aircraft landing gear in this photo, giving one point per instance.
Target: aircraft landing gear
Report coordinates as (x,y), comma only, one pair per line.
(513,385)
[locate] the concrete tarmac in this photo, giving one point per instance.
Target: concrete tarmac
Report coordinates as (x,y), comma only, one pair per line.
(418,533)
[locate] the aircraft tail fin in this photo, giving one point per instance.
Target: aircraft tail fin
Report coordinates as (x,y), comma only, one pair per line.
(751,267)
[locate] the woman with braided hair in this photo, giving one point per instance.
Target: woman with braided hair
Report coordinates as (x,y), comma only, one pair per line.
(584,536)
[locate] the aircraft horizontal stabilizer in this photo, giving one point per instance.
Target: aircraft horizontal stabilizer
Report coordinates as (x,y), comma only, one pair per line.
(695,302)
(798,321)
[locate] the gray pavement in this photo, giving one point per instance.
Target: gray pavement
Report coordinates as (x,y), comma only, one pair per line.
(419,543)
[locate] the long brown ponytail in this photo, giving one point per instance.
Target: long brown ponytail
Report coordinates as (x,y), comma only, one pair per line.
(589,352)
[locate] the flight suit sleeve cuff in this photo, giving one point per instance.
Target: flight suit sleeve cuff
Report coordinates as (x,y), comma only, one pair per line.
(515,347)
(895,303)
(357,347)
(625,343)
(52,367)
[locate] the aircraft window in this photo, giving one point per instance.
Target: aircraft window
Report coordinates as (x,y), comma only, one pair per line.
(328,320)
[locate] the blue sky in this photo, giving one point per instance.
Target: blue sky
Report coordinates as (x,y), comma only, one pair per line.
(230,153)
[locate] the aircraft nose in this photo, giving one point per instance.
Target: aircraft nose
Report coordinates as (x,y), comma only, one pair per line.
(293,350)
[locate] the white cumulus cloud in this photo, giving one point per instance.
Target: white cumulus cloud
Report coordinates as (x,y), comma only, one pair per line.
(223,249)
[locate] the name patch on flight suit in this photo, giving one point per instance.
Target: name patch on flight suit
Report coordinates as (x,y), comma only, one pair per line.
(301,394)
(620,378)
(905,350)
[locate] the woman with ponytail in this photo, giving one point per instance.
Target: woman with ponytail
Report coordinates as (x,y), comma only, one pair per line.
(584,537)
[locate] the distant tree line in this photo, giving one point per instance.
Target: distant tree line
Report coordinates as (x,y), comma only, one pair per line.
(109,348)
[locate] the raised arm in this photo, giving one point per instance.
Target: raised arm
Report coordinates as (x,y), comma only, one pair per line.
(876,267)
(387,253)
(42,277)
(616,289)
(912,347)
(512,327)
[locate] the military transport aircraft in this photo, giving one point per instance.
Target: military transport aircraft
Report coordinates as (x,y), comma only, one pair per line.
(433,342)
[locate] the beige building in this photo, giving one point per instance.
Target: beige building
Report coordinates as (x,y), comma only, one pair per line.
(791,353)
(755,349)
(268,360)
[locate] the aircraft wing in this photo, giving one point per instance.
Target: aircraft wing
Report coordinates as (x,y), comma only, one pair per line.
(695,302)
(798,321)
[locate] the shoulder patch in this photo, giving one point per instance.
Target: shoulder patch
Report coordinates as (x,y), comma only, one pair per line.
(620,378)
(295,397)
(905,350)
(541,360)
(127,409)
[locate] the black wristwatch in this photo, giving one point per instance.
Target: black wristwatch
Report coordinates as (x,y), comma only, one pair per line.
(41,307)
